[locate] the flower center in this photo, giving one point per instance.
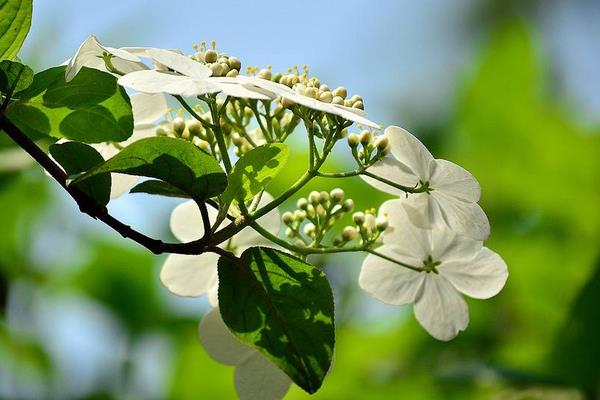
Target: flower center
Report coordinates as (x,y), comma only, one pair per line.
(424,187)
(430,266)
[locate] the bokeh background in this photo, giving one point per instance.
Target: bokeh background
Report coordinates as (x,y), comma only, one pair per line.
(508,89)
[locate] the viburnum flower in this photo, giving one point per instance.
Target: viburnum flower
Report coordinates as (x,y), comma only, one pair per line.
(451,193)
(195,276)
(311,97)
(181,75)
(444,266)
(255,376)
(90,54)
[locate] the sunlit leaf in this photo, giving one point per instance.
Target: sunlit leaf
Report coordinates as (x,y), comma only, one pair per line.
(15,21)
(159,188)
(283,307)
(14,77)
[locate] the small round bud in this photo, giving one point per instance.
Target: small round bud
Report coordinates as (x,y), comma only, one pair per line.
(337,195)
(344,133)
(337,100)
(299,215)
(160,131)
(382,143)
(289,232)
(234,63)
(359,105)
(370,222)
(310,211)
(326,97)
(341,92)
(366,137)
(349,233)
(185,135)
(353,140)
(210,56)
(287,217)
(265,74)
(324,88)
(321,211)
(382,224)
(358,218)
(233,73)
(348,205)
(324,197)
(347,103)
(355,98)
(178,125)
(311,92)
(338,241)
(314,198)
(194,127)
(224,68)
(309,229)
(287,103)
(216,69)
(277,77)
(302,203)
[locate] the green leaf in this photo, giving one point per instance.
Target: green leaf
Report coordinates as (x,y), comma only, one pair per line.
(174,161)
(91,108)
(159,188)
(283,307)
(254,171)
(15,21)
(14,77)
(76,158)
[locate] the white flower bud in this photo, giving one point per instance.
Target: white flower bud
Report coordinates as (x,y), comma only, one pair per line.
(224,68)
(194,127)
(233,73)
(234,63)
(370,223)
(160,131)
(359,105)
(311,92)
(358,218)
(337,100)
(265,74)
(366,137)
(324,197)
(287,103)
(355,98)
(337,195)
(309,229)
(326,97)
(299,215)
(217,69)
(178,125)
(210,56)
(287,217)
(324,88)
(302,203)
(348,205)
(382,224)
(382,143)
(314,198)
(321,211)
(349,233)
(341,92)
(353,140)
(289,232)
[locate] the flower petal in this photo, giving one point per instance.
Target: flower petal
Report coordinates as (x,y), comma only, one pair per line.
(180,63)
(390,282)
(186,221)
(121,184)
(409,151)
(440,309)
(164,82)
(148,108)
(407,239)
(464,218)
(219,343)
(449,246)
(258,378)
(454,180)
(481,278)
(190,276)
(394,171)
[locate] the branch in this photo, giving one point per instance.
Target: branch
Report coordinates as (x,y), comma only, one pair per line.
(89,206)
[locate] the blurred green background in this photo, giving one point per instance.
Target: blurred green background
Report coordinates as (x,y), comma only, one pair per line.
(508,89)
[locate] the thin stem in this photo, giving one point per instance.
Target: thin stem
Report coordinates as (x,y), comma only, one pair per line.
(421,188)
(205,219)
(339,174)
(219,134)
(390,259)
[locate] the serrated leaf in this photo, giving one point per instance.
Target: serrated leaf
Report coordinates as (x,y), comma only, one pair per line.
(159,188)
(174,161)
(76,158)
(91,108)
(15,21)
(283,307)
(14,77)
(254,171)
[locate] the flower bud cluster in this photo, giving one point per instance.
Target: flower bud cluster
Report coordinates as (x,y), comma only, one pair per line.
(368,226)
(316,215)
(220,64)
(190,129)
(371,149)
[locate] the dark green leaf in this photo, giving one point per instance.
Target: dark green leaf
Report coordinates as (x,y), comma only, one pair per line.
(91,108)
(15,21)
(283,307)
(253,172)
(174,161)
(159,188)
(76,158)
(14,77)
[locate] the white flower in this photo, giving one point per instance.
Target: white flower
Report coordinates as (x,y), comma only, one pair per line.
(195,276)
(90,54)
(454,191)
(256,378)
(280,90)
(190,79)
(451,264)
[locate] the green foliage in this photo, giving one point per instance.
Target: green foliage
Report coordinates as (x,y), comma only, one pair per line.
(15,21)
(14,77)
(174,161)
(76,158)
(159,188)
(91,108)
(283,307)
(254,171)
